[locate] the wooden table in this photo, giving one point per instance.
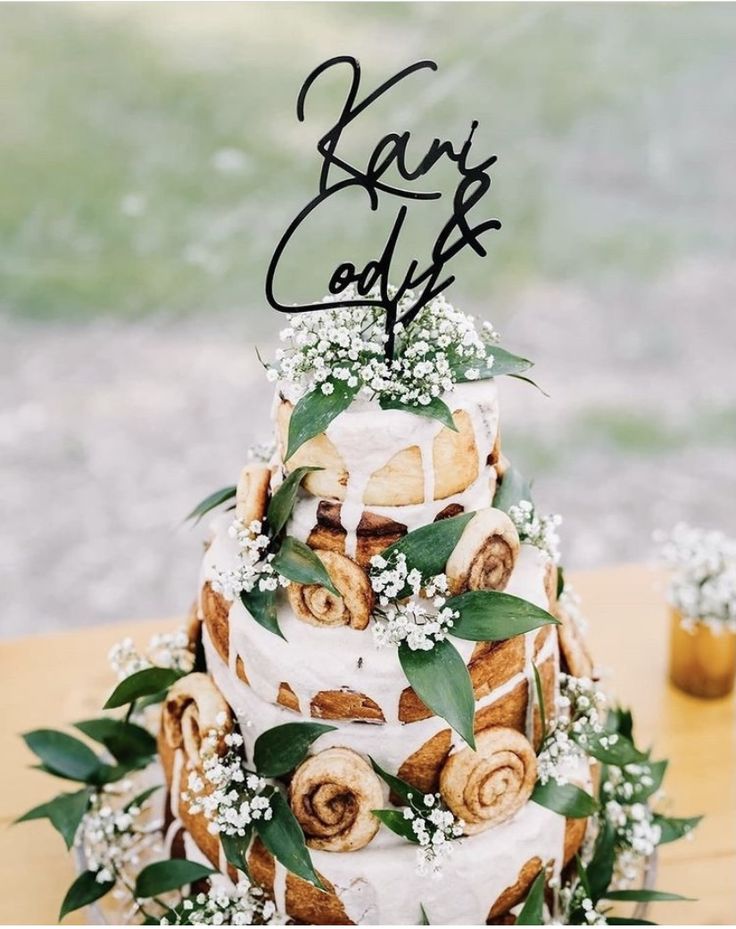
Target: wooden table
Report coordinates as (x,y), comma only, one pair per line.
(57,679)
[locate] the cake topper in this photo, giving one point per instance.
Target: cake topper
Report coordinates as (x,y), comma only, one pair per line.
(392,151)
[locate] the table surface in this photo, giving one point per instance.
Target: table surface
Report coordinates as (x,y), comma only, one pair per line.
(52,680)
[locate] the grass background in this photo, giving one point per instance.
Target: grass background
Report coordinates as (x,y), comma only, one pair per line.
(150,158)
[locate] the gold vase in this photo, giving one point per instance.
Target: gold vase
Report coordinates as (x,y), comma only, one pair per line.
(702,662)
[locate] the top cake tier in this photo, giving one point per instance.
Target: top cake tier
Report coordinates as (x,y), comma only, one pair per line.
(385,472)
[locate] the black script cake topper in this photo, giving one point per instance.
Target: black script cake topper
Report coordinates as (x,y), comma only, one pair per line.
(390,152)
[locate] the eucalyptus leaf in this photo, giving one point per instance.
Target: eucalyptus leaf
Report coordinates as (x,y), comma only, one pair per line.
(300,564)
(280,749)
(533,910)
(142,797)
(261,604)
(64,755)
(396,784)
(162,876)
(565,799)
(512,489)
(600,868)
(441,680)
(428,548)
(65,813)
(491,616)
(618,753)
(435,409)
(528,380)
(236,849)
(656,771)
(672,828)
(539,691)
(125,741)
(643,896)
(498,362)
(560,581)
(85,890)
(315,411)
(396,822)
(282,502)
(621,721)
(283,837)
(142,684)
(209,503)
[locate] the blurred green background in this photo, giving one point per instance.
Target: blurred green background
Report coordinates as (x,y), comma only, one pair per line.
(150,157)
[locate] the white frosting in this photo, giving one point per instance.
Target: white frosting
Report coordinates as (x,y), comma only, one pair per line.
(314,659)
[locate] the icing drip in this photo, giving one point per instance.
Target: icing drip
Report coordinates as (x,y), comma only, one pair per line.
(176,782)
(279,887)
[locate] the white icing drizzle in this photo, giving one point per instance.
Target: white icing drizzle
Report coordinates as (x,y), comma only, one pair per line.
(176,773)
(279,887)
(174,826)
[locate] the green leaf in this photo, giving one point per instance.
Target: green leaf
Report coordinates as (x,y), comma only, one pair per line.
(85,890)
(280,749)
(565,799)
(315,411)
(673,828)
(643,896)
(395,821)
(583,875)
(600,869)
(539,690)
(423,918)
(300,564)
(656,771)
(261,604)
(396,784)
(162,876)
(491,615)
(512,490)
(621,721)
(435,409)
(533,910)
(560,581)
(141,798)
(597,745)
(142,684)
(283,837)
(125,741)
(528,380)
(236,849)
(498,362)
(441,680)
(64,755)
(283,500)
(428,548)
(209,503)
(65,812)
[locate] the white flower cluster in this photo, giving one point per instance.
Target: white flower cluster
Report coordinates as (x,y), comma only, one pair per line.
(422,619)
(571,603)
(631,817)
(540,531)
(434,827)
(168,650)
(112,836)
(230,797)
(254,568)
(245,905)
(574,901)
(347,344)
(580,710)
(703,584)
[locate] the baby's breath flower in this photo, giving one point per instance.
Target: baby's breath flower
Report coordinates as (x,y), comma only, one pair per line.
(254,568)
(537,530)
(166,650)
(420,619)
(580,710)
(347,344)
(245,905)
(434,827)
(703,583)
